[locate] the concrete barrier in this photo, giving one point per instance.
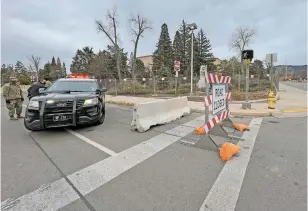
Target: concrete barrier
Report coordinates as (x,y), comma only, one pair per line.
(158,112)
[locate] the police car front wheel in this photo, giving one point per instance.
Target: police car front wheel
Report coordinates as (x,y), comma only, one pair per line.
(101,117)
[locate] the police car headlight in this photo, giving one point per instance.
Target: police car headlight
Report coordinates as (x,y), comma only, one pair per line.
(89,102)
(34,104)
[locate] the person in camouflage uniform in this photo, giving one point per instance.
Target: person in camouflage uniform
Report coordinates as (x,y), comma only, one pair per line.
(13,96)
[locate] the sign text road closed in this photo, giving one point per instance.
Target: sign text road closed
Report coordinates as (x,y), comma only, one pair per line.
(219,98)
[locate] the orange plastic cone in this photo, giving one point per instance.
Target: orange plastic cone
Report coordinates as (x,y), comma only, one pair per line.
(240,127)
(227,150)
(200,130)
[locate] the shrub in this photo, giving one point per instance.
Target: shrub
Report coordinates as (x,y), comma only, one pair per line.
(237,96)
(130,88)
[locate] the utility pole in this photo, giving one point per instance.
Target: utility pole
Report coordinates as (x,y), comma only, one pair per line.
(192,27)
(286,78)
(239,75)
(247,56)
(272,72)
(192,63)
(247,81)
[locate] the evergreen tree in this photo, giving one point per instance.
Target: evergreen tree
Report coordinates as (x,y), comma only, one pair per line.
(19,67)
(184,50)
(163,55)
(46,71)
(53,69)
(6,72)
(59,68)
(53,61)
(205,56)
(63,70)
(81,60)
(257,69)
(177,46)
(103,65)
(140,69)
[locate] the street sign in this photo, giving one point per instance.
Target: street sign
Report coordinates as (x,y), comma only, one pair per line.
(177,66)
(32,78)
(247,54)
(219,98)
(269,59)
(201,82)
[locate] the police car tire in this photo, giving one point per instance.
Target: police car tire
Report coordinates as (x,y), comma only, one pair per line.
(102,119)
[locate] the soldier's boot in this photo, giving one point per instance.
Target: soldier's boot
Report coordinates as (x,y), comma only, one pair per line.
(13,118)
(20,117)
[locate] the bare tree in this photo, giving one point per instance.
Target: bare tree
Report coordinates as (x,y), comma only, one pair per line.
(240,40)
(35,65)
(110,30)
(139,25)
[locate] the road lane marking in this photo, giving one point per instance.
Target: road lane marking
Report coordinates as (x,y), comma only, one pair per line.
(36,199)
(104,171)
(87,140)
(188,142)
(59,193)
(294,110)
(93,143)
(225,191)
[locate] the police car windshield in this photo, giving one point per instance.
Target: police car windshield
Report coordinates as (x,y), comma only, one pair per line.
(74,86)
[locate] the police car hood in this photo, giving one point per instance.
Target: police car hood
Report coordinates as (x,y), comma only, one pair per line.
(64,96)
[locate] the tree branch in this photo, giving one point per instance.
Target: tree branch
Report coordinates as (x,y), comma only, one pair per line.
(139,25)
(35,62)
(241,38)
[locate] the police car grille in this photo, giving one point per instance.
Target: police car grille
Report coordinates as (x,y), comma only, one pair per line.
(79,104)
(59,107)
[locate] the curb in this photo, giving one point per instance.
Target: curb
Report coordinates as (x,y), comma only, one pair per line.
(246,114)
(251,101)
(126,103)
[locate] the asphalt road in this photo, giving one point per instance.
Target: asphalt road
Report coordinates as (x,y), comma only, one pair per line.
(110,167)
(298,85)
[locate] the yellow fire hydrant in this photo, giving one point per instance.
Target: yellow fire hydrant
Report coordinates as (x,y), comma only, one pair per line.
(271,99)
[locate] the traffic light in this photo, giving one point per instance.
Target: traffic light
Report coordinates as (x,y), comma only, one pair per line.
(247,54)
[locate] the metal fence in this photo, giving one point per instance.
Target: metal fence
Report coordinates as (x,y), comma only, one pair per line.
(172,86)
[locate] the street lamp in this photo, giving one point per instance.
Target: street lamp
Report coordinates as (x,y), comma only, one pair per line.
(192,27)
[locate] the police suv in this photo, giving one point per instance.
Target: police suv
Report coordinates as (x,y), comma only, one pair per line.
(71,101)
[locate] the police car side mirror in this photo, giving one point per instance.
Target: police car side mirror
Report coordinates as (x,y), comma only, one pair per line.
(99,91)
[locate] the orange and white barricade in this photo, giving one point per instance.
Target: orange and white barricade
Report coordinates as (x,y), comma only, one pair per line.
(215,124)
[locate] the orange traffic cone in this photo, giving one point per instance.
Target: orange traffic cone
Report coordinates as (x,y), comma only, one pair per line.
(240,127)
(200,130)
(227,150)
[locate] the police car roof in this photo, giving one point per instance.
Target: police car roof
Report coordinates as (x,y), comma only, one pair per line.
(77,79)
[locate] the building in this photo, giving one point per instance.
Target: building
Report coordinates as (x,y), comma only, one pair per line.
(216,61)
(147,61)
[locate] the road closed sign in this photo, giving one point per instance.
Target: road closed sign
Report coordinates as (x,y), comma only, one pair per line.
(219,98)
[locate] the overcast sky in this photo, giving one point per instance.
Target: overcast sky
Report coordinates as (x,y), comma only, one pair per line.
(58,28)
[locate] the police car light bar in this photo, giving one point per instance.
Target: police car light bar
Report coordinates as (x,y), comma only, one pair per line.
(79,75)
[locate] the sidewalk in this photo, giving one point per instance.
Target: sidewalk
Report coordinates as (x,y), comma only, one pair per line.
(292,100)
